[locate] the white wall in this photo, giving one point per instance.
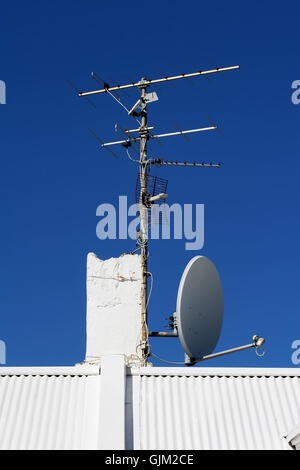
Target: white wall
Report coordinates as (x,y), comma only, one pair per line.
(113,306)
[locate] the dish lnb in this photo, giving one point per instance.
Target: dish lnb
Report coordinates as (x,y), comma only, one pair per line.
(259,341)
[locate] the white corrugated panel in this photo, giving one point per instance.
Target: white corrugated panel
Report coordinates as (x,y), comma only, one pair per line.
(49,412)
(212,412)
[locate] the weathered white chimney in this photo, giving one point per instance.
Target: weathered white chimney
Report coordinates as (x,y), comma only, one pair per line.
(114,307)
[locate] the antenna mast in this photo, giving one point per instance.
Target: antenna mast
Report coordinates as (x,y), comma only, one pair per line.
(144,134)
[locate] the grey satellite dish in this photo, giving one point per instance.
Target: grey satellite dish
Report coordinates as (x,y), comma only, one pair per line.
(200,306)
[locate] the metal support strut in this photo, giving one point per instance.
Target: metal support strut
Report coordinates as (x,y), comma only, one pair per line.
(258,342)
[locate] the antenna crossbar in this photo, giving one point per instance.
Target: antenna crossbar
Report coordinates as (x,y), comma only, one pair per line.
(158,136)
(203,129)
(193,164)
(159,80)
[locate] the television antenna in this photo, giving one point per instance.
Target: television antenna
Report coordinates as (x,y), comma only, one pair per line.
(142,135)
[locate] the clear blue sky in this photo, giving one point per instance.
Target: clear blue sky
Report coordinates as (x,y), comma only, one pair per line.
(53,176)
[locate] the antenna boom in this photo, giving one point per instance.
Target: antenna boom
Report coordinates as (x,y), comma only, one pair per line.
(184,132)
(159,80)
(203,164)
(136,139)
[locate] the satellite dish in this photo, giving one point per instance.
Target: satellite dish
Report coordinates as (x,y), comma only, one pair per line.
(200,307)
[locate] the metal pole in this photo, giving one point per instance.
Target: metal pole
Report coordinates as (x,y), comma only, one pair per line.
(191,361)
(144,135)
(163,334)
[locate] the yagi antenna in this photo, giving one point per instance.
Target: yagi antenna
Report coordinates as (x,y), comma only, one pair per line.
(142,135)
(158,136)
(160,80)
(159,162)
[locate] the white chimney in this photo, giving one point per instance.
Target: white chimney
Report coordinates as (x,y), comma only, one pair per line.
(114,308)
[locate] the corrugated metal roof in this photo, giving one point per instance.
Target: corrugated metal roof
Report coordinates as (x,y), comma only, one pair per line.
(49,412)
(213,412)
(166,408)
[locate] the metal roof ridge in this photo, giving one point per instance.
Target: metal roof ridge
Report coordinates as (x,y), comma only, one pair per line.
(214,372)
(76,370)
